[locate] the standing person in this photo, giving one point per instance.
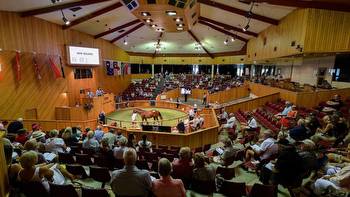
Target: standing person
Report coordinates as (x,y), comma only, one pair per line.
(133,119)
(205,99)
(98,133)
(177,102)
(102,117)
(195,108)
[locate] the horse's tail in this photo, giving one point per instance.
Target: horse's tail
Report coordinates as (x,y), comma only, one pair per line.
(160,115)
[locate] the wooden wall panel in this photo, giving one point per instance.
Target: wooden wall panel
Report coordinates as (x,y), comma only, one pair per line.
(32,34)
(291,28)
(327,31)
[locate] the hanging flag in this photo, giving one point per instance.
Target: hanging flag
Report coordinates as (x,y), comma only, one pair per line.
(36,68)
(116,68)
(109,67)
(17,66)
(62,70)
(55,69)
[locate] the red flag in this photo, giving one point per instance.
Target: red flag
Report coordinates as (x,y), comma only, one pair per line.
(55,69)
(36,68)
(17,66)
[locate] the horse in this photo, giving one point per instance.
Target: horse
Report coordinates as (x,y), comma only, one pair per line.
(148,114)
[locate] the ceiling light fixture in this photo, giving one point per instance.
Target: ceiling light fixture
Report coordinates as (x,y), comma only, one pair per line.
(154,25)
(160,29)
(178,20)
(145,14)
(148,20)
(170,13)
(246,27)
(125,42)
(180,25)
(233,39)
(180,28)
(226,41)
(65,20)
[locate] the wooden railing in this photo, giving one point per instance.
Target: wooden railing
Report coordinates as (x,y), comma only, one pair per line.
(250,104)
(301,99)
(229,95)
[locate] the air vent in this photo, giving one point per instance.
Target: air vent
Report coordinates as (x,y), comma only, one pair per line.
(180,4)
(131,4)
(151,1)
(75,9)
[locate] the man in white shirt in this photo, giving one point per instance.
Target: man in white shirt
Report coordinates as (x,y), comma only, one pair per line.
(250,126)
(231,122)
(265,149)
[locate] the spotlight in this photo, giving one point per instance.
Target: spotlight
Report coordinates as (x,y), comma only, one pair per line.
(154,25)
(170,13)
(233,39)
(226,42)
(125,42)
(145,14)
(180,28)
(148,20)
(178,20)
(65,20)
(246,27)
(180,25)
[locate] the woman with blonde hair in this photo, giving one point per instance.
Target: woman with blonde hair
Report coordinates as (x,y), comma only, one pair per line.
(90,141)
(68,137)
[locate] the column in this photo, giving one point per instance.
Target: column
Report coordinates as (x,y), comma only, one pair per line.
(152,70)
(212,71)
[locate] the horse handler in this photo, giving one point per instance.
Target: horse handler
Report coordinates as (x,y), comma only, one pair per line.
(133,119)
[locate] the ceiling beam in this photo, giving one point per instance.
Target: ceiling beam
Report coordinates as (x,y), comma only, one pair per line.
(337,6)
(197,40)
(127,32)
(117,28)
(228,27)
(223,31)
(238,11)
(59,7)
(159,37)
(93,15)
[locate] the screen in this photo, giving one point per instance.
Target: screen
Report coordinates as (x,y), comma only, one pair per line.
(83,56)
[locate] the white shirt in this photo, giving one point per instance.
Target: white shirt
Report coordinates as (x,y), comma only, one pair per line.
(267,144)
(55,145)
(230,122)
(252,123)
(133,117)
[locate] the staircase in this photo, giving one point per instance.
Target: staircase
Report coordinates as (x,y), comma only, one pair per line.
(159,88)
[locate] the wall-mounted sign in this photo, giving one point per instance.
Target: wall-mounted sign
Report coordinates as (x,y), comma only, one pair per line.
(83,56)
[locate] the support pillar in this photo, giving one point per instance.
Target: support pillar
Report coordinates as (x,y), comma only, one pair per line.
(212,71)
(153,70)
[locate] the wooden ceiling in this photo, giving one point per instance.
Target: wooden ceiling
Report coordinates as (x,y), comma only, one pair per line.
(215,21)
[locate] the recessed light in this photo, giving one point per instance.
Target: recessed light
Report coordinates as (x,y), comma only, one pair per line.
(178,20)
(154,25)
(148,20)
(180,25)
(180,28)
(170,13)
(160,29)
(145,14)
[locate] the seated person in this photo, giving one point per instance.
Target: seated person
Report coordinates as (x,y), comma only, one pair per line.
(223,116)
(286,109)
(231,122)
(144,143)
(119,150)
(334,182)
(291,115)
(202,171)
(32,145)
(131,181)
(44,173)
(263,151)
(183,166)
(90,141)
(181,127)
(327,132)
(299,132)
(227,153)
(166,185)
(250,126)
(55,144)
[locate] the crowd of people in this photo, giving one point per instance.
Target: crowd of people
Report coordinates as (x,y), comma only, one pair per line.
(313,147)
